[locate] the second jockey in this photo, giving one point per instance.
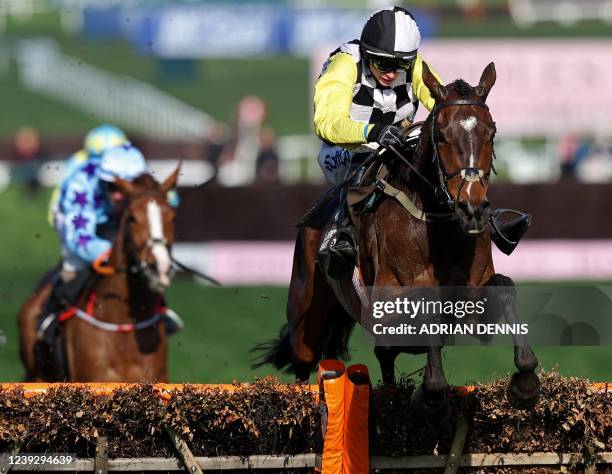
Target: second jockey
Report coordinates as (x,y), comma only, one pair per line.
(366,89)
(86,220)
(97,141)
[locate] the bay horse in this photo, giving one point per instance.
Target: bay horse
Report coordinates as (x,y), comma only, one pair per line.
(118,335)
(448,175)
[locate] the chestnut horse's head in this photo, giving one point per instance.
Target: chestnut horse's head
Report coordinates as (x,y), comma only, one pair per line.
(461,132)
(147,229)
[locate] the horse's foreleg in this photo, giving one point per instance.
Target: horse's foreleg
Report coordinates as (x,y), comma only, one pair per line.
(431,395)
(386,358)
(524,387)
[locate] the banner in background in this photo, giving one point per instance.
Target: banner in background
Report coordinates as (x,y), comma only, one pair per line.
(232,29)
(255,263)
(543,87)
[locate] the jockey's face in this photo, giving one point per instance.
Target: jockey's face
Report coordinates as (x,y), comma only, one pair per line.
(383,78)
(114,195)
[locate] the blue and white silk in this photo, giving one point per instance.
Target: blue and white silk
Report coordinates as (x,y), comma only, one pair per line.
(82,207)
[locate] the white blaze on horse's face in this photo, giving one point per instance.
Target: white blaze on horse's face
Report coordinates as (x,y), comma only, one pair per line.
(158,247)
(468,125)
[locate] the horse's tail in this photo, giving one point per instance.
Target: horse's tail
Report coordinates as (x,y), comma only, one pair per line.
(276,352)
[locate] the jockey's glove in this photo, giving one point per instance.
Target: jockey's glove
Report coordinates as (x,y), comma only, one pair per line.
(386,135)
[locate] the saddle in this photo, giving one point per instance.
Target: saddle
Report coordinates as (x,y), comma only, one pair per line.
(363,195)
(359,187)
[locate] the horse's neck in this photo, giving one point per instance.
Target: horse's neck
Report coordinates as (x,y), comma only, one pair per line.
(123,298)
(447,248)
(132,292)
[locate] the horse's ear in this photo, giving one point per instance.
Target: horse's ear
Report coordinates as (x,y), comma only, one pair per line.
(124,186)
(437,90)
(486,81)
(170,182)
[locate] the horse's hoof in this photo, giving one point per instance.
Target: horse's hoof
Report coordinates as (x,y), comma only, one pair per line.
(523,390)
(427,401)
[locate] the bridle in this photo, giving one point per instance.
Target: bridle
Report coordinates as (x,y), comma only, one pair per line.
(135,265)
(440,190)
(467,174)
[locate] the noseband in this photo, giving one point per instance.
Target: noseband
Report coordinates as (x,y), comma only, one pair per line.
(468,174)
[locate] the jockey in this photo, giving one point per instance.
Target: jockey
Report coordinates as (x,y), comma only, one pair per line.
(96,142)
(366,89)
(86,220)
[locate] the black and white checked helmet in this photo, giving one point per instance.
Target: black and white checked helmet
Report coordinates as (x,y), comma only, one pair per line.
(391,32)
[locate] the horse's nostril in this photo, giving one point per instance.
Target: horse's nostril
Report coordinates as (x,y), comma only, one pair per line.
(482,208)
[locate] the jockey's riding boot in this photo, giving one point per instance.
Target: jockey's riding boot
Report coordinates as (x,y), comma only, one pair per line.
(506,235)
(48,323)
(342,246)
(172,321)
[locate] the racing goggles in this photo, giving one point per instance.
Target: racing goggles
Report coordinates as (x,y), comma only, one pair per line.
(384,64)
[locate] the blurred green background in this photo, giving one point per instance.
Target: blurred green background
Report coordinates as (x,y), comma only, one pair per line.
(218,84)
(224,323)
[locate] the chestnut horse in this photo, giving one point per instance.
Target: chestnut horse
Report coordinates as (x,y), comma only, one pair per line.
(123,340)
(447,175)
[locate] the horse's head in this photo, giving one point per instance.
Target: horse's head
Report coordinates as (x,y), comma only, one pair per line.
(148,228)
(461,131)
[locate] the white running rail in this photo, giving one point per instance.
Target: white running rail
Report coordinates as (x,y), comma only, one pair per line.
(119,99)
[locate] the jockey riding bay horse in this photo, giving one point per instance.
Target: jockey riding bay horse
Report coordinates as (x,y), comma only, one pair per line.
(404,242)
(113,333)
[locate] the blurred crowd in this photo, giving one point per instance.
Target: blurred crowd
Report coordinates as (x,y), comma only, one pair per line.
(246,152)
(585,158)
(241,153)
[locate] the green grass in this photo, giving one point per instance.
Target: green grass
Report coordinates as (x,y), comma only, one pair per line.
(223,323)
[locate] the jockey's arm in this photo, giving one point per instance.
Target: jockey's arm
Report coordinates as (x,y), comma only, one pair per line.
(79,229)
(418,86)
(332,103)
(70,166)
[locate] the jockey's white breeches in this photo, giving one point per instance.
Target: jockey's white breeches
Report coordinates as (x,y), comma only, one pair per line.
(335,161)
